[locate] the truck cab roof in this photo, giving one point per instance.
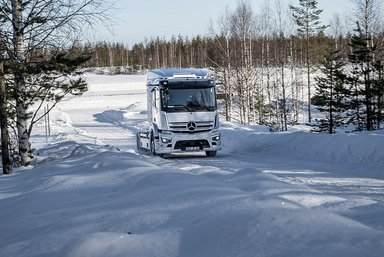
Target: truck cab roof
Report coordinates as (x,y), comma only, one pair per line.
(157,75)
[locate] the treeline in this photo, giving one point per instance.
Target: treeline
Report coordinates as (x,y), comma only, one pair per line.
(277,64)
(199,51)
(154,53)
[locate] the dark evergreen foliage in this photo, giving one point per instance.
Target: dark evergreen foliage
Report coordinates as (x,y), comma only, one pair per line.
(49,77)
(362,79)
(307,18)
(331,94)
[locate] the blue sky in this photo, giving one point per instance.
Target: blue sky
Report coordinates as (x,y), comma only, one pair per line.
(137,20)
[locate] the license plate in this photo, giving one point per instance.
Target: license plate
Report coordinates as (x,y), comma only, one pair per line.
(192,148)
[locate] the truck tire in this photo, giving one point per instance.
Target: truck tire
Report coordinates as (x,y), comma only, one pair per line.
(153,150)
(152,146)
(138,145)
(210,153)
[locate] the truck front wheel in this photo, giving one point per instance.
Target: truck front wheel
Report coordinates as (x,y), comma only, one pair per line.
(138,143)
(153,149)
(210,153)
(152,146)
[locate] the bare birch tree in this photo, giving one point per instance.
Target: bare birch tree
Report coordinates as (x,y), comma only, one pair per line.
(282,59)
(222,40)
(242,29)
(369,14)
(31,27)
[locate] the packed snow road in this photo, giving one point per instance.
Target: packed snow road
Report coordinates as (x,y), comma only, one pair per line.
(284,194)
(113,111)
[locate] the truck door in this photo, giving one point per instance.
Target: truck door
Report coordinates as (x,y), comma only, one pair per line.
(156,107)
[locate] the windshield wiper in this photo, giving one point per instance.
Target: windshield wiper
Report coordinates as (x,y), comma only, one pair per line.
(206,108)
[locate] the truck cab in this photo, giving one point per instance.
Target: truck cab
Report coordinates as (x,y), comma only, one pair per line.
(182,113)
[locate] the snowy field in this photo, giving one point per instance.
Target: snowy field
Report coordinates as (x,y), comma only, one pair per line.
(89,194)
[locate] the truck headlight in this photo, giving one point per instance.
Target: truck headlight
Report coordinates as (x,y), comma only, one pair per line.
(216,138)
(166,140)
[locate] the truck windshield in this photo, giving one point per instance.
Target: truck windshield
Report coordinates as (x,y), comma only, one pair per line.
(188,99)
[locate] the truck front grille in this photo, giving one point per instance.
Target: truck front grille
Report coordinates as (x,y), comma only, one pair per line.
(191,127)
(192,144)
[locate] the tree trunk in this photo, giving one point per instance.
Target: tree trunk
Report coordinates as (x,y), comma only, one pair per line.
(21,110)
(228,88)
(4,125)
(308,81)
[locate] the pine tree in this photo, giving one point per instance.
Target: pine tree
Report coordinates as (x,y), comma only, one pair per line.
(330,91)
(307,18)
(361,58)
(378,91)
(355,103)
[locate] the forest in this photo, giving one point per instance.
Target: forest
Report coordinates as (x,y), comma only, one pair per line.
(280,67)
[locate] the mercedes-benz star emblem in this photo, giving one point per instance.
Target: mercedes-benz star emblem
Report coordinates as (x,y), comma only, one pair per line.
(191,125)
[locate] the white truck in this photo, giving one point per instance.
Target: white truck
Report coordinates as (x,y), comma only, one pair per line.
(182,113)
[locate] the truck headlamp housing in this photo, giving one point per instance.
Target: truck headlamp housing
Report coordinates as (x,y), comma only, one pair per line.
(166,140)
(216,138)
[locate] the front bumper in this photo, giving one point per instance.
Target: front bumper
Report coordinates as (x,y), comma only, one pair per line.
(169,142)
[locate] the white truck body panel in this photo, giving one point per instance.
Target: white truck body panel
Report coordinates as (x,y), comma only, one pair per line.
(182,112)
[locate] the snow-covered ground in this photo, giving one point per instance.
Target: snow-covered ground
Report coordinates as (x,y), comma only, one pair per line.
(285,194)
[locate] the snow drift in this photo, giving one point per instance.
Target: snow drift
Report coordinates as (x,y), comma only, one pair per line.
(286,194)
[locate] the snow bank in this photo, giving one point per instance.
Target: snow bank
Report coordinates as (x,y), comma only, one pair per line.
(95,202)
(360,149)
